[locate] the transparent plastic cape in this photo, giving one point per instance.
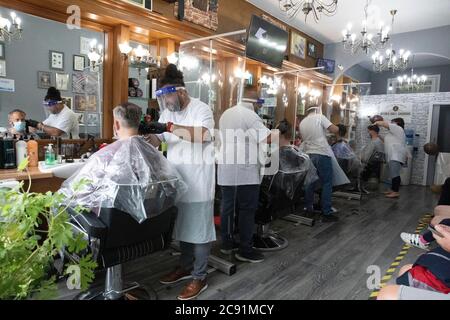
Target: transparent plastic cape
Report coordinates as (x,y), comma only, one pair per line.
(129,175)
(295,170)
(347,158)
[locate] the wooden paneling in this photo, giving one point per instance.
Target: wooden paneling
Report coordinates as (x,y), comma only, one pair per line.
(235,15)
(120,69)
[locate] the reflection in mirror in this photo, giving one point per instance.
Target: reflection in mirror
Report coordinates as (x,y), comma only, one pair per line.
(39,61)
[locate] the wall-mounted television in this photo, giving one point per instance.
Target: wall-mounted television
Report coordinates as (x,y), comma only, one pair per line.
(266,42)
(327,64)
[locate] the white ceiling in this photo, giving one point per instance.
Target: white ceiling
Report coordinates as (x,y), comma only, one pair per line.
(412,15)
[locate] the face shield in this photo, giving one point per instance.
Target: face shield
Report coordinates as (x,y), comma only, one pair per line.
(257,103)
(51,106)
(168,98)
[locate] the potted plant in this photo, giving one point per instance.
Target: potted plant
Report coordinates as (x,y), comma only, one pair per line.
(27,250)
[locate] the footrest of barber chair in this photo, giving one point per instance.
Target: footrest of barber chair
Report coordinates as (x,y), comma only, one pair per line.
(348,195)
(296,218)
(269,242)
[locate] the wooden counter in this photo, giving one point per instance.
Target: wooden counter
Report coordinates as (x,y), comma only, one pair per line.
(40,182)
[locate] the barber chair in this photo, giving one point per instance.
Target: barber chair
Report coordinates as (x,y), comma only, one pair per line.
(275,204)
(115,237)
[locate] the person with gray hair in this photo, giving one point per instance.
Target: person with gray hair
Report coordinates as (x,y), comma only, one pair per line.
(127,118)
(129,168)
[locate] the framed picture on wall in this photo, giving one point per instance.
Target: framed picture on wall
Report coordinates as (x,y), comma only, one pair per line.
(80,118)
(56,60)
(298,45)
(85,45)
(45,79)
(93,119)
(85,103)
(2,51)
(312,50)
(62,81)
(68,101)
(2,68)
(79,62)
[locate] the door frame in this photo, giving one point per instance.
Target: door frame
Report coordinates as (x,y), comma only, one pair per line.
(441,103)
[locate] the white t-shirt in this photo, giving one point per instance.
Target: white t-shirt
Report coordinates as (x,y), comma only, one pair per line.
(66,121)
(242,130)
(313,131)
(395,144)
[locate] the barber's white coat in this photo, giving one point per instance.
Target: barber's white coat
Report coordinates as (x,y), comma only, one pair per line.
(395,144)
(319,144)
(195,163)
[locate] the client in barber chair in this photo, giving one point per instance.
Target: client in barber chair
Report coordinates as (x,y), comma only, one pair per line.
(128,169)
(347,159)
(372,155)
(281,193)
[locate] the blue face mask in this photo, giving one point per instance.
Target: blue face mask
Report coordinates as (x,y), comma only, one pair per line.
(20,126)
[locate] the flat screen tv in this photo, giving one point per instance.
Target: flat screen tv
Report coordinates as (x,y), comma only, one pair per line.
(327,64)
(266,42)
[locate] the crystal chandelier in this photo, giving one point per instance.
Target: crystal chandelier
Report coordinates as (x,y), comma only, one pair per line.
(10,29)
(367,42)
(95,54)
(410,83)
(317,7)
(393,61)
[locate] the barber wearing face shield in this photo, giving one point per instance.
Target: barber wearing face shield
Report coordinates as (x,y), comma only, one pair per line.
(188,124)
(61,122)
(239,175)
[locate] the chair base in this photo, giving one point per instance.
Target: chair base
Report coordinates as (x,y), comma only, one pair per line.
(270,242)
(299,219)
(132,292)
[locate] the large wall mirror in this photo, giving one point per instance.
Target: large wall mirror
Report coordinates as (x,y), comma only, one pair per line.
(51,54)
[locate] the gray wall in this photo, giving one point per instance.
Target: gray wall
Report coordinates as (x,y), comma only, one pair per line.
(359,73)
(435,41)
(380,80)
(26,57)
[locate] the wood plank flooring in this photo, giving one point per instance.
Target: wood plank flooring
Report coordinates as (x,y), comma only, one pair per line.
(327,261)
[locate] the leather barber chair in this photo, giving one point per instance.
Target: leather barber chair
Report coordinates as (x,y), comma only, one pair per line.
(115,237)
(281,196)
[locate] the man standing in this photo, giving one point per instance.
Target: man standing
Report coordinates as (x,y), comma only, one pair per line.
(239,175)
(313,131)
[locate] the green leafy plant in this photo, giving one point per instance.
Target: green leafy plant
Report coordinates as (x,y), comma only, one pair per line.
(28,248)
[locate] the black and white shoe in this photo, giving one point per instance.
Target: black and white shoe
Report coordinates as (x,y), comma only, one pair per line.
(413,239)
(252,257)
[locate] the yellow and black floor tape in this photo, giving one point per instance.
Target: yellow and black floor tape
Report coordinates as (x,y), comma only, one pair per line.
(392,270)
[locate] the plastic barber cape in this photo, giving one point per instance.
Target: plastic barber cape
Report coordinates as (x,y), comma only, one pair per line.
(129,175)
(196,164)
(295,170)
(313,130)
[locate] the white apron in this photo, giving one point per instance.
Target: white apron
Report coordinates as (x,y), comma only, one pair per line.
(195,163)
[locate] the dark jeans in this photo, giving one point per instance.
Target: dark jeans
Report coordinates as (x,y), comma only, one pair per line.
(444,200)
(241,201)
(325,172)
(428,236)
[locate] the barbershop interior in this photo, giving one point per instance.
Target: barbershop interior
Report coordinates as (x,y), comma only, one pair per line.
(224,150)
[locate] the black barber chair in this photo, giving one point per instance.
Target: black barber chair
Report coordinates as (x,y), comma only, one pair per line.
(115,237)
(281,196)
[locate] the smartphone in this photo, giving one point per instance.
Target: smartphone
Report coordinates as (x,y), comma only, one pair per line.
(432,229)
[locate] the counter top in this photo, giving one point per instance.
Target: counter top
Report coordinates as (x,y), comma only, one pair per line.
(35,173)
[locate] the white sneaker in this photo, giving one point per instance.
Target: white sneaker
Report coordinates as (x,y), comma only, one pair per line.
(413,239)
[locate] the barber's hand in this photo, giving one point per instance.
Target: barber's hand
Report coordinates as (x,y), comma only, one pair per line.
(32,123)
(444,241)
(154,128)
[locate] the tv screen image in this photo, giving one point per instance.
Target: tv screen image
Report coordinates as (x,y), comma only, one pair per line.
(266,42)
(327,64)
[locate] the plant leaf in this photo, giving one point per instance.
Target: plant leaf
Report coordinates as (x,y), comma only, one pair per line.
(23,165)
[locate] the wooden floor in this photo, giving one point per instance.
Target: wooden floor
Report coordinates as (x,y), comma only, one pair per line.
(327,261)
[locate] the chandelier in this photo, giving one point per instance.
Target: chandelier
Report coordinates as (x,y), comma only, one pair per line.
(10,29)
(95,54)
(410,83)
(393,61)
(317,7)
(367,42)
